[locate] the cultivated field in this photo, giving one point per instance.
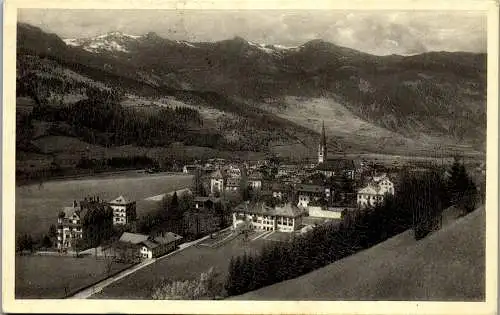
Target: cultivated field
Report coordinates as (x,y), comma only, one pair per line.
(37,206)
(185,265)
(55,277)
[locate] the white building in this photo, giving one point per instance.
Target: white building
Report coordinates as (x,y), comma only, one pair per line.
(385,184)
(375,191)
(255,180)
(69,227)
(151,247)
(216,182)
(310,192)
(285,218)
(124,210)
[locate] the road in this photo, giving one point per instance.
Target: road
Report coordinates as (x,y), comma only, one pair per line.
(96,288)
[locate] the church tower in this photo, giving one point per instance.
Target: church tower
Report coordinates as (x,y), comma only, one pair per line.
(322,146)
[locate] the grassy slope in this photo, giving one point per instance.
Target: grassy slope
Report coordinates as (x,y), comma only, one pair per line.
(185,265)
(350,132)
(448,265)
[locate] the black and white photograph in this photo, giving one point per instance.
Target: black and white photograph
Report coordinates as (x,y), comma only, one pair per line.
(312,154)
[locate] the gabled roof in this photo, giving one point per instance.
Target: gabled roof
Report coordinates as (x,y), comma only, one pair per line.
(287,210)
(256,176)
(69,211)
(205,199)
(120,201)
(336,165)
(217,175)
(370,190)
(379,178)
(310,188)
(133,238)
(166,238)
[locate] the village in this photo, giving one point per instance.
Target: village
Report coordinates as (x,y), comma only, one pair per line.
(230,209)
(278,199)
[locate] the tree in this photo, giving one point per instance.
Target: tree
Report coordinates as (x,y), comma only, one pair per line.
(78,245)
(52,231)
(46,242)
(198,187)
(24,243)
(207,286)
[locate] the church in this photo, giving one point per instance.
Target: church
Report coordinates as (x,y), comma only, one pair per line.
(332,167)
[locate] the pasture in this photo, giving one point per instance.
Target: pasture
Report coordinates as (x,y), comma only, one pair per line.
(58,276)
(184,265)
(37,206)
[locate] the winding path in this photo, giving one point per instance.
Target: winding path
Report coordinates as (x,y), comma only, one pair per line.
(96,288)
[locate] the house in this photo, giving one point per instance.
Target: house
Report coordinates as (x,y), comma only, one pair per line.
(375,191)
(190,169)
(255,180)
(217,180)
(160,245)
(233,184)
(285,218)
(309,192)
(280,190)
(337,167)
(149,246)
(233,171)
(69,227)
(124,210)
(205,202)
(386,185)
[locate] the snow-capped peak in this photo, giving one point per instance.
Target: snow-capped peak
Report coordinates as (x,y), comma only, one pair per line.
(115,41)
(183,42)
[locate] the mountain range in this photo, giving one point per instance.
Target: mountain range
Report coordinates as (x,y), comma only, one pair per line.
(392,104)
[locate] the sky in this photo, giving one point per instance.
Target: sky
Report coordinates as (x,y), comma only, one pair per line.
(375,32)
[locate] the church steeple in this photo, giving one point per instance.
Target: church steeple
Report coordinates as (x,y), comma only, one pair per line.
(322,146)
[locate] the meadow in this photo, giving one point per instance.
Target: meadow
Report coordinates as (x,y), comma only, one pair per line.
(184,265)
(56,276)
(37,206)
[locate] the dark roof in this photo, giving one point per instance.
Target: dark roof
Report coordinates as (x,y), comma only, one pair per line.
(279,187)
(69,211)
(205,199)
(288,210)
(256,176)
(233,182)
(337,165)
(310,188)
(133,238)
(122,201)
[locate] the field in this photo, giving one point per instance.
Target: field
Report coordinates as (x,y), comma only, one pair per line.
(185,265)
(55,277)
(448,265)
(37,206)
